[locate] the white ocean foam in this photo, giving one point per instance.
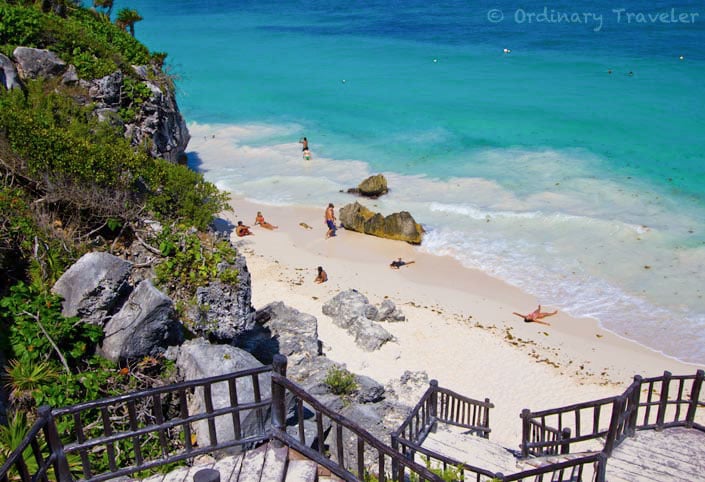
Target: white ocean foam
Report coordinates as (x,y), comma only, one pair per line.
(574,241)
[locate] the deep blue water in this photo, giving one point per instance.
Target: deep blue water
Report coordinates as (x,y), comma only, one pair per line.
(537,165)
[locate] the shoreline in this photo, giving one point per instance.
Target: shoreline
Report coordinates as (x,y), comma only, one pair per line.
(460,328)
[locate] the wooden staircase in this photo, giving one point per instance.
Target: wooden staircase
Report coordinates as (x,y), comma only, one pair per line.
(263,464)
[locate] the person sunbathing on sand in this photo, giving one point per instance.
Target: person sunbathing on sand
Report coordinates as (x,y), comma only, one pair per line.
(242,230)
(535,316)
(260,220)
(322,276)
(399,263)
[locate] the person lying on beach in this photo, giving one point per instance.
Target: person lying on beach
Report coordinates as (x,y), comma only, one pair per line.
(399,263)
(260,220)
(243,230)
(322,276)
(535,316)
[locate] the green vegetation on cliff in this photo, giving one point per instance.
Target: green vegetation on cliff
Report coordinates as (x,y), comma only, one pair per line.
(72,183)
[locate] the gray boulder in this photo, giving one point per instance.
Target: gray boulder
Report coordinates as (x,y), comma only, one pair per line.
(352,311)
(92,287)
(400,226)
(70,77)
(159,121)
(224,312)
(368,390)
(373,186)
(348,305)
(369,335)
(107,90)
(33,63)
(145,326)
(199,359)
(295,334)
(388,311)
(217,316)
(8,74)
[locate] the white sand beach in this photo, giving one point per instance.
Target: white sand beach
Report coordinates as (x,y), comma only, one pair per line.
(460,328)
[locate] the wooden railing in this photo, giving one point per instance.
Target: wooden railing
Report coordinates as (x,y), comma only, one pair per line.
(650,403)
(136,432)
(442,405)
(145,430)
(39,456)
(349,462)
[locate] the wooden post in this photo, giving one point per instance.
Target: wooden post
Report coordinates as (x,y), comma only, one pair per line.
(278,398)
(565,440)
(612,433)
(635,399)
(433,406)
(694,397)
(61,466)
(395,463)
(601,471)
(525,432)
(486,421)
(663,403)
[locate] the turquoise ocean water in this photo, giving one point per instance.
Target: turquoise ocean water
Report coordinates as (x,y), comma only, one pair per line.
(583,187)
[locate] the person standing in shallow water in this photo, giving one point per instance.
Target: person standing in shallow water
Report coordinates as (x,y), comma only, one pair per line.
(330,220)
(304,143)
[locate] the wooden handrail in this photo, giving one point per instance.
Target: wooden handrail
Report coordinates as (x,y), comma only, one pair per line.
(677,404)
(624,420)
(341,422)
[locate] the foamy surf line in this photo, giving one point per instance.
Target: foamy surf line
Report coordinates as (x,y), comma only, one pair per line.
(499,232)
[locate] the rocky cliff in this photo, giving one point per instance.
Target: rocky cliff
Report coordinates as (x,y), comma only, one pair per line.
(141,103)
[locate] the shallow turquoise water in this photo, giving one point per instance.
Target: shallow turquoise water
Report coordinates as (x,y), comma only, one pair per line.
(538,165)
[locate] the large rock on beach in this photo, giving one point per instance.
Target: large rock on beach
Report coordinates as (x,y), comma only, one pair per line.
(400,226)
(8,74)
(93,286)
(199,359)
(351,310)
(33,63)
(144,326)
(373,187)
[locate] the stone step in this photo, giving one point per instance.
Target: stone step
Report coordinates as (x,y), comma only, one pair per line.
(301,471)
(252,464)
(275,462)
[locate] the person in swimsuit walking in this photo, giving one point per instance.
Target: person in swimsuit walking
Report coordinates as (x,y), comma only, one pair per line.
(535,316)
(330,220)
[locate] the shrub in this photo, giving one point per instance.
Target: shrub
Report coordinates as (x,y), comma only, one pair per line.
(193,260)
(340,381)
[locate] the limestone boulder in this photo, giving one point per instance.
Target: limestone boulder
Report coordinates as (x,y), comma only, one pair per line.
(107,90)
(400,226)
(347,306)
(199,359)
(93,286)
(352,311)
(9,79)
(373,186)
(291,333)
(144,326)
(38,63)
